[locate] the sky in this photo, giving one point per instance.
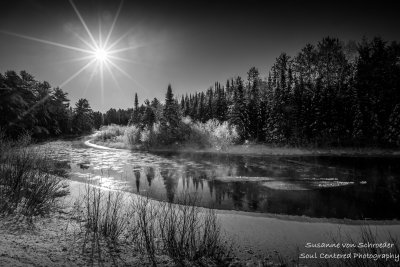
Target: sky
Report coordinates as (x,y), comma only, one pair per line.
(188,44)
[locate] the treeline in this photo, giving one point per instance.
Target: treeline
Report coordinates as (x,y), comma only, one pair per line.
(329,94)
(28,105)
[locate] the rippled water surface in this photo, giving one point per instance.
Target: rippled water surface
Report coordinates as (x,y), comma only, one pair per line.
(331,187)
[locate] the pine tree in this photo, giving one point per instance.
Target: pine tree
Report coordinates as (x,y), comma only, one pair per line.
(187,106)
(171,119)
(83,120)
(393,131)
(149,118)
(238,114)
(253,103)
(201,115)
(221,105)
(136,117)
(210,108)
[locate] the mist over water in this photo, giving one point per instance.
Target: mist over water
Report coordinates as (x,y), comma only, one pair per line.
(318,187)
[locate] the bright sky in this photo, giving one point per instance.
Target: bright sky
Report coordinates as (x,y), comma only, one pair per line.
(189,44)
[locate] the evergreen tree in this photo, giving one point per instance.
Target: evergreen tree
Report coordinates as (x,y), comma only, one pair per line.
(393,131)
(83,120)
(136,116)
(171,119)
(238,114)
(253,103)
(149,118)
(201,110)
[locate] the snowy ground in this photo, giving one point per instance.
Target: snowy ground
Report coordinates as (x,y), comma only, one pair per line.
(56,240)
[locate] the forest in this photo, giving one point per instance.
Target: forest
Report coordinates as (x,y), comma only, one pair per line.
(329,94)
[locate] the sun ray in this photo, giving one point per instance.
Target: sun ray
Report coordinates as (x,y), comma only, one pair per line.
(113,23)
(90,79)
(77,73)
(41,101)
(124,72)
(77,59)
(47,42)
(121,70)
(125,49)
(119,39)
(100,38)
(102,82)
(113,77)
(84,41)
(84,24)
(129,61)
(120,59)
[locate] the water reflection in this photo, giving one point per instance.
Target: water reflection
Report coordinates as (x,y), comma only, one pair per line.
(332,187)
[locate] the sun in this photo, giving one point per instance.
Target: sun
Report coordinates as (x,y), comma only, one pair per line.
(101,55)
(100,51)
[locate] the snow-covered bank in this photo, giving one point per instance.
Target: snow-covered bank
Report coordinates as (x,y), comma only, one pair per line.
(54,240)
(257,235)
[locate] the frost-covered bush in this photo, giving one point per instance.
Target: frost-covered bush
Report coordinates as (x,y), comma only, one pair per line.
(131,135)
(209,134)
(110,132)
(225,135)
(151,137)
(187,134)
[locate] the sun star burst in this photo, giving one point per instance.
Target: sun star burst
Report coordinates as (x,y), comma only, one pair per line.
(95,51)
(101,55)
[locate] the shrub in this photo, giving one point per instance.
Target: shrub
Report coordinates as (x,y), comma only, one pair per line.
(211,134)
(189,235)
(28,184)
(104,213)
(110,132)
(131,135)
(187,134)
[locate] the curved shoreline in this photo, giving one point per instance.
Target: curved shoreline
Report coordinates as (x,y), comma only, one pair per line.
(285,217)
(90,144)
(264,234)
(264,150)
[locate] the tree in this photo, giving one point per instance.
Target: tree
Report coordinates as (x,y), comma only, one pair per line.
(253,103)
(60,105)
(238,114)
(83,120)
(201,110)
(377,83)
(221,105)
(393,131)
(171,118)
(97,119)
(149,118)
(135,119)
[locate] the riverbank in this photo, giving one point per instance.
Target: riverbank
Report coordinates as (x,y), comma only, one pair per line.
(260,150)
(58,239)
(214,137)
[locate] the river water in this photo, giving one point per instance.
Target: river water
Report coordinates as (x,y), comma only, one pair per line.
(316,187)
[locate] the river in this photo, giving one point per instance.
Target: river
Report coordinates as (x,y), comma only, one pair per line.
(356,188)
(264,203)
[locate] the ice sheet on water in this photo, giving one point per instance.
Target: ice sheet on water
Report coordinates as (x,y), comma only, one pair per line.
(307,183)
(283,185)
(243,179)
